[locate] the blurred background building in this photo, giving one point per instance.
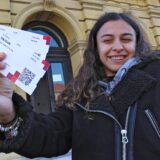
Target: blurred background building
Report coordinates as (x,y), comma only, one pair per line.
(68,22)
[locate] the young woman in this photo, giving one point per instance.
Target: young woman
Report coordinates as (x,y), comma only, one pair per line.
(110,111)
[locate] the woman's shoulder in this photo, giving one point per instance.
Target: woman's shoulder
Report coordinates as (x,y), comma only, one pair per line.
(154,62)
(152,66)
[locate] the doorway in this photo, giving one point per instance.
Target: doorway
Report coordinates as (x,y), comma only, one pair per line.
(60,72)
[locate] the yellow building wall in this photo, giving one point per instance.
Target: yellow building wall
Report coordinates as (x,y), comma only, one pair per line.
(75,18)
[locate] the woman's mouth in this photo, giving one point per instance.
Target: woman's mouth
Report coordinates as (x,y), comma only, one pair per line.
(119,57)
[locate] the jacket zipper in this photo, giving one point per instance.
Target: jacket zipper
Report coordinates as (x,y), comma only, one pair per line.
(124,139)
(153,121)
(124,136)
(131,128)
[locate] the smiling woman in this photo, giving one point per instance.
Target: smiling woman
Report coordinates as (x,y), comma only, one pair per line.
(115,45)
(105,111)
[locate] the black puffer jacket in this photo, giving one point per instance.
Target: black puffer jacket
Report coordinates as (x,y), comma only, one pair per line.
(95,134)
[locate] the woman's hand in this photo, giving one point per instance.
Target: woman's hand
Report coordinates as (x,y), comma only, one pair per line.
(2,57)
(7,112)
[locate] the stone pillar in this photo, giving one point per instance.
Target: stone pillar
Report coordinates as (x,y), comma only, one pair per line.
(91,10)
(154,13)
(5,16)
(76,50)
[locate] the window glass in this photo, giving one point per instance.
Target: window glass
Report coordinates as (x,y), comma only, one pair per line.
(57,77)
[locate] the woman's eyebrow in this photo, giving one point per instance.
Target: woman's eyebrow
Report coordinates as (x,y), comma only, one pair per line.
(111,35)
(106,35)
(127,34)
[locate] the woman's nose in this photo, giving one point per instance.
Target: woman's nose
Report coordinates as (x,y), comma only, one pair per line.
(117,47)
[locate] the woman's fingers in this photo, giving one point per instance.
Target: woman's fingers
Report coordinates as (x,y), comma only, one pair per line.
(1,75)
(2,57)
(6,87)
(2,65)
(5,84)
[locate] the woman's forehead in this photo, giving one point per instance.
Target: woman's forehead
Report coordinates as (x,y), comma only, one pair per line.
(115,27)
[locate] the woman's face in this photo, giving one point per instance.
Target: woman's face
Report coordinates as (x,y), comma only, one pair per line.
(116,43)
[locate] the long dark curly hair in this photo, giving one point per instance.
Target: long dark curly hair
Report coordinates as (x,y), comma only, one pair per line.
(84,85)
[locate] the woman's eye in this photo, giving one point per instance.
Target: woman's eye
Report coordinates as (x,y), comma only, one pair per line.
(107,40)
(126,39)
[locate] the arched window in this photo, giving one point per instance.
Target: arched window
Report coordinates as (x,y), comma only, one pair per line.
(60,72)
(58,39)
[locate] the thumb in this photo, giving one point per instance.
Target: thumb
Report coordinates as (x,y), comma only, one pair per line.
(5,87)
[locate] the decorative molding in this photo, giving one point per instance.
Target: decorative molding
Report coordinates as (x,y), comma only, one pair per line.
(48,4)
(154,11)
(92,5)
(76,47)
(127,10)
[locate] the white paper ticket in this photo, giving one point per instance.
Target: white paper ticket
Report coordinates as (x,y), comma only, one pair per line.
(26,53)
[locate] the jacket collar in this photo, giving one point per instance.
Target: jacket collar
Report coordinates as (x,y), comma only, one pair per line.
(132,86)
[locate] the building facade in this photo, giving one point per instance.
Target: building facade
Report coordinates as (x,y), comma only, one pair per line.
(68,22)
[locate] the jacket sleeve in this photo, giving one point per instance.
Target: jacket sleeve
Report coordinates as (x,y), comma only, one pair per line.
(40,135)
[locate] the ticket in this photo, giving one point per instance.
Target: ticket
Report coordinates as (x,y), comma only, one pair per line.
(39,44)
(25,66)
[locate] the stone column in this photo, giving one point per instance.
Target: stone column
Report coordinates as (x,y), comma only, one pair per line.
(154,13)
(5,16)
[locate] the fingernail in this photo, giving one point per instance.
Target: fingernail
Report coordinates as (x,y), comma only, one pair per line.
(2,55)
(2,65)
